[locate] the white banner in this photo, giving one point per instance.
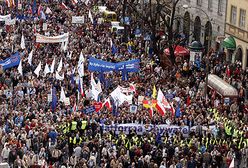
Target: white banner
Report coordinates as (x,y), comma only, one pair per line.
(77,19)
(55,39)
(10,22)
(141,129)
(5,17)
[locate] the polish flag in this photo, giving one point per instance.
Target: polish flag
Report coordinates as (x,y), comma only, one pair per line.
(39,10)
(151,112)
(34,29)
(7,2)
(75,107)
(188,101)
(159,106)
(30,9)
(74,2)
(132,88)
(107,103)
(63,6)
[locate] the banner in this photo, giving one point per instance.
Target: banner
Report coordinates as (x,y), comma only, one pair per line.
(77,19)
(104,66)
(89,110)
(141,129)
(55,39)
(5,17)
(10,62)
(10,22)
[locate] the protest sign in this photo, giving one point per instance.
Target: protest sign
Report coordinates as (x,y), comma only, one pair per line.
(54,39)
(104,66)
(133,109)
(10,62)
(67,101)
(89,110)
(163,128)
(77,19)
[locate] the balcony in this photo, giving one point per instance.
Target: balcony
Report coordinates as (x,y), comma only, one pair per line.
(237,32)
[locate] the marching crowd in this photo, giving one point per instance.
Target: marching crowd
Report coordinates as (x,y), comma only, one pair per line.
(33,134)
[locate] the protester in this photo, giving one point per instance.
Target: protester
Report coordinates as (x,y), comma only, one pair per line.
(57,112)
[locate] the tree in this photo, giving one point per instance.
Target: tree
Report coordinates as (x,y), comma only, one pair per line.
(154,14)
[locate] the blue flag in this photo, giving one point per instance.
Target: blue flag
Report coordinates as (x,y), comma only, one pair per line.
(178,111)
(114,49)
(72,79)
(54,99)
(124,74)
(34,7)
(129,49)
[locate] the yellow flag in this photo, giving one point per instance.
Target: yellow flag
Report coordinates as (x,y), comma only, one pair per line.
(154,92)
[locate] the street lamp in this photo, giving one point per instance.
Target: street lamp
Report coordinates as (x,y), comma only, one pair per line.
(208,46)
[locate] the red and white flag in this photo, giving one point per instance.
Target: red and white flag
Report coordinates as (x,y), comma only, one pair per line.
(162,104)
(75,107)
(74,2)
(63,6)
(30,10)
(107,103)
(232,164)
(160,108)
(7,3)
(151,112)
(39,10)
(132,87)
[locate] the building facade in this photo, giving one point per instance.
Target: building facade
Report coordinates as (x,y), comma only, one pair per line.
(203,20)
(237,26)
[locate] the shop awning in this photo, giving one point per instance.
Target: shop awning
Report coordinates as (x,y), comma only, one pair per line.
(221,86)
(229,43)
(179,51)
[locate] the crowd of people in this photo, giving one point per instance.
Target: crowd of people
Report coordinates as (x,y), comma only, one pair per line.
(36,133)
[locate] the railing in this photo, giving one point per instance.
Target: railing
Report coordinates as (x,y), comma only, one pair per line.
(237,32)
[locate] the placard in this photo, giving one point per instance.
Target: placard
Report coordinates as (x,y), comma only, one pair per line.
(133,108)
(49,97)
(67,101)
(140,100)
(44,27)
(77,19)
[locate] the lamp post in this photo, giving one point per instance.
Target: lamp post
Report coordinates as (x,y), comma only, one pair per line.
(208,46)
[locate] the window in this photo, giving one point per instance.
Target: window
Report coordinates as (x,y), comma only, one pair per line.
(210,4)
(242,18)
(199,2)
(220,6)
(233,15)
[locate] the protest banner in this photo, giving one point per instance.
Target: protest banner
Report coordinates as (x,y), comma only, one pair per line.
(5,17)
(89,110)
(77,19)
(133,108)
(54,39)
(104,66)
(141,129)
(10,62)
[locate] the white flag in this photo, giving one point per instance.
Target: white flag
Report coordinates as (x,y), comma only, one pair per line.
(59,77)
(62,95)
(98,86)
(81,70)
(81,58)
(69,54)
(94,93)
(118,97)
(52,66)
(22,42)
(30,56)
(232,164)
(60,65)
(48,10)
(92,80)
(37,70)
(46,70)
(20,68)
(90,17)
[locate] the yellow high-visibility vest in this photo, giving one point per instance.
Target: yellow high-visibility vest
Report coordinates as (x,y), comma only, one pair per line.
(73,125)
